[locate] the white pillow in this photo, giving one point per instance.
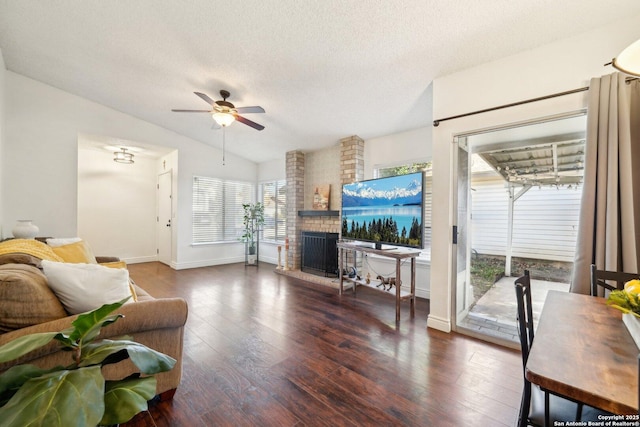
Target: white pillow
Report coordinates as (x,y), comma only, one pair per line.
(85,287)
(62,241)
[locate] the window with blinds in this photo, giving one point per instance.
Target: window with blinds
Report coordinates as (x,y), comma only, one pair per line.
(217,209)
(426,167)
(274,199)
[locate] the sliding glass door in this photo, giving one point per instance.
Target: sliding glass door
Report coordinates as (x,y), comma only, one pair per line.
(517,198)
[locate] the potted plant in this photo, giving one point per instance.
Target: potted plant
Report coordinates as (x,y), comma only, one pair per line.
(253,219)
(78,394)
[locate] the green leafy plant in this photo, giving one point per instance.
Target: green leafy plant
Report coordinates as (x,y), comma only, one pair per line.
(253,219)
(78,394)
(624,301)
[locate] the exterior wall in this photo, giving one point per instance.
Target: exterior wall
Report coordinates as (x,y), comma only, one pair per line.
(544,224)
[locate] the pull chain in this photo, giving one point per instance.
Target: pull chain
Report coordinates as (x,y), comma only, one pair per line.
(223,144)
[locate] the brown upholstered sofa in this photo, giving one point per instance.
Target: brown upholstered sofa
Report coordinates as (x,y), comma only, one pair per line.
(27,305)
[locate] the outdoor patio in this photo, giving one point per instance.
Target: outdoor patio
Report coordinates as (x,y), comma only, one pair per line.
(495,312)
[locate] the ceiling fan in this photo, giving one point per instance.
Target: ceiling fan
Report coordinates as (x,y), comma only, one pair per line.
(224,112)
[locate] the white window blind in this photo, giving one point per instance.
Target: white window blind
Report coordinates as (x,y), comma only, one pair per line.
(217,209)
(274,199)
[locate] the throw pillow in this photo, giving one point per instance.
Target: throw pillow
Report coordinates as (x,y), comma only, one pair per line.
(61,241)
(85,287)
(77,252)
(25,298)
(123,264)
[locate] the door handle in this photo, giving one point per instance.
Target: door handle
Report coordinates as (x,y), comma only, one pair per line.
(169,223)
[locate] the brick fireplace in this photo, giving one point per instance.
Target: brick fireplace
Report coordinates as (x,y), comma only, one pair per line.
(336,166)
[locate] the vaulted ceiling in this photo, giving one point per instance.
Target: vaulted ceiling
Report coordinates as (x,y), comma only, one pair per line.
(322,70)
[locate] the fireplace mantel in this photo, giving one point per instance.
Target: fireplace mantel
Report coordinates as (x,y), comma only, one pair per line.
(318,213)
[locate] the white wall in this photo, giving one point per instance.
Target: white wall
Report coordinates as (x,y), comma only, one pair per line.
(39,167)
(272,170)
(404,147)
(560,66)
(117,205)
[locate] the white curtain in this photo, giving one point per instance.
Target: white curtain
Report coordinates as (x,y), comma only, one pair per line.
(609,227)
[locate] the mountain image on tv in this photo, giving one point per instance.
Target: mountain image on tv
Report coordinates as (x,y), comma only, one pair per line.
(376,193)
(385,210)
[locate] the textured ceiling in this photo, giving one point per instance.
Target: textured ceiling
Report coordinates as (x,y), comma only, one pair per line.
(322,70)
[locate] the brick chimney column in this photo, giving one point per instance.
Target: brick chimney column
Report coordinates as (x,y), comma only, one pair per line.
(351,159)
(295,203)
(351,170)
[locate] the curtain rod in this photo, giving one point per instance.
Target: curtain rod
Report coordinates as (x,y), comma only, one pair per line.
(513,104)
(526,101)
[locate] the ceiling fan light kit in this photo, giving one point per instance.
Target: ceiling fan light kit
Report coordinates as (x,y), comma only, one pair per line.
(223,119)
(224,112)
(628,61)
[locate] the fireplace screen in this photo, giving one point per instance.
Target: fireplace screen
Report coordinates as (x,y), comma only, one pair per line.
(319,252)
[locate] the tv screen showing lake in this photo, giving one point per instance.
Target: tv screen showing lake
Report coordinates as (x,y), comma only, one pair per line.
(387,210)
(402,215)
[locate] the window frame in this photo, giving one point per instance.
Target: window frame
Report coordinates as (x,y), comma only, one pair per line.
(219,210)
(279,185)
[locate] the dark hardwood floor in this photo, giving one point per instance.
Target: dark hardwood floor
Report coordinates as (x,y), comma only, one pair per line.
(262,349)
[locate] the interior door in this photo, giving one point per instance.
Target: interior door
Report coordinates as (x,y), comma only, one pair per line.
(164,218)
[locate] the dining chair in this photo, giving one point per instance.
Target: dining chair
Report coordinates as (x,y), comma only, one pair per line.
(599,278)
(539,407)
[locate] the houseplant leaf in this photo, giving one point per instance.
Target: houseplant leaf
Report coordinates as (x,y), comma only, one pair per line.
(13,378)
(147,360)
(23,345)
(62,398)
(124,399)
(87,325)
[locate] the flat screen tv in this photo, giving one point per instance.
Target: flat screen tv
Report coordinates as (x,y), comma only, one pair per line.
(384,210)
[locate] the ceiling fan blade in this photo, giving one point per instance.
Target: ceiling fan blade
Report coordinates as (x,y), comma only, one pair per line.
(192,111)
(249,122)
(245,110)
(206,98)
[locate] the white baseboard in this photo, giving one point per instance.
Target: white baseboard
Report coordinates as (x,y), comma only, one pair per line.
(208,262)
(140,259)
(423,293)
(440,324)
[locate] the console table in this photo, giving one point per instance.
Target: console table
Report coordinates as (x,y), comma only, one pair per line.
(398,254)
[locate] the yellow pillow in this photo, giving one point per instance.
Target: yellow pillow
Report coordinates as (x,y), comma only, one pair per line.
(122,264)
(115,264)
(78,252)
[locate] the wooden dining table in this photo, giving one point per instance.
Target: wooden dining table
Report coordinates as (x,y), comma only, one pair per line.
(582,350)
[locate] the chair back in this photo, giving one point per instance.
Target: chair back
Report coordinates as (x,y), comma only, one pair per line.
(525,332)
(603,279)
(525,314)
